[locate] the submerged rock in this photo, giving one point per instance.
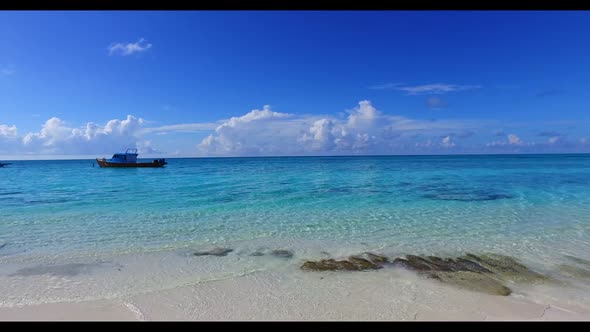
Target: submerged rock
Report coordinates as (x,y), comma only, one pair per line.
(469,265)
(414,263)
(473,281)
(377,259)
(329,265)
(363,264)
(354,263)
(467,272)
(430,263)
(507,267)
(481,273)
(214,252)
(282,253)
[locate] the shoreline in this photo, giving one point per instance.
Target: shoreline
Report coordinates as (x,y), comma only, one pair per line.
(244,284)
(317,297)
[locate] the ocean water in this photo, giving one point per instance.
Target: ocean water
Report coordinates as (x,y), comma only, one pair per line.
(533,207)
(418,203)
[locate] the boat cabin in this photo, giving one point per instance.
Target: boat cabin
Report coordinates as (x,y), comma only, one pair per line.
(130,156)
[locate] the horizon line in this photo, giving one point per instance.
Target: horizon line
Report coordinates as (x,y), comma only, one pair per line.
(85,157)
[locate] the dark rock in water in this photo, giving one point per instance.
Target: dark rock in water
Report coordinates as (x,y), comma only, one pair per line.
(422,264)
(473,281)
(354,263)
(363,264)
(507,267)
(257,253)
(460,272)
(329,265)
(469,265)
(403,263)
(446,265)
(282,253)
(377,259)
(214,252)
(435,259)
(3,245)
(415,263)
(481,273)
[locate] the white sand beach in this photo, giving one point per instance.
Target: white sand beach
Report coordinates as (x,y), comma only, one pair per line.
(384,295)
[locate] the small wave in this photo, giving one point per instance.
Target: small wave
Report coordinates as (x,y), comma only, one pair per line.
(10,193)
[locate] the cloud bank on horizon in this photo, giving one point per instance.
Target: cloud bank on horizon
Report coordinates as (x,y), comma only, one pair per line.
(364,130)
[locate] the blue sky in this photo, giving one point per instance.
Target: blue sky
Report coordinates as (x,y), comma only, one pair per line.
(241,83)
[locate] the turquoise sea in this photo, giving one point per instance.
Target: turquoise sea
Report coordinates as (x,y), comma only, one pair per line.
(71,231)
(524,204)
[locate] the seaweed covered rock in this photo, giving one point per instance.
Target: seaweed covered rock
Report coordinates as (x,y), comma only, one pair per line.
(329,265)
(433,263)
(464,272)
(473,281)
(363,264)
(415,263)
(469,265)
(377,259)
(482,273)
(506,267)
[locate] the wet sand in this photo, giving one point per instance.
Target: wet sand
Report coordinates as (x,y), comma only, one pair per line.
(334,296)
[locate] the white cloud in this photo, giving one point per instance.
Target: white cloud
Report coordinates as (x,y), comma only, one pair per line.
(57,137)
(514,140)
(434,88)
(8,131)
(129,48)
(364,130)
(259,131)
(447,142)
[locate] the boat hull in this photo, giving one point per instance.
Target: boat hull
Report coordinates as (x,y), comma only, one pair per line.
(155,163)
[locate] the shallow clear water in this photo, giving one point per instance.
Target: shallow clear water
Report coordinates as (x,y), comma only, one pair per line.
(70,231)
(526,205)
